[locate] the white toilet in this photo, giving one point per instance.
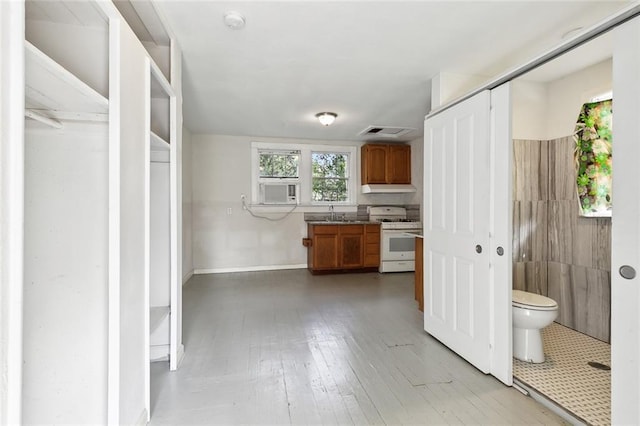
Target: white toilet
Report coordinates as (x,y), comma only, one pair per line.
(531,313)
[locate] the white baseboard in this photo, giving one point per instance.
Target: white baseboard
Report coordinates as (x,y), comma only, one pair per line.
(187,276)
(249,269)
(143,419)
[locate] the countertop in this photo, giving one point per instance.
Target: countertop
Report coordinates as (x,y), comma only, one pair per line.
(341,222)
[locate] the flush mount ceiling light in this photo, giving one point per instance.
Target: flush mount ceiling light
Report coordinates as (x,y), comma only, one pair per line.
(234,20)
(326,118)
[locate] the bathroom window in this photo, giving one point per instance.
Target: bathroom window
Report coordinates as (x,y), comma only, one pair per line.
(593,136)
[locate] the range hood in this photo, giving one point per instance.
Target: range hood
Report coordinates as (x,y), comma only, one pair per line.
(387,189)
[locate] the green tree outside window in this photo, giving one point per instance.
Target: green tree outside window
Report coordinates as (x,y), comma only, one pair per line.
(329,176)
(279,164)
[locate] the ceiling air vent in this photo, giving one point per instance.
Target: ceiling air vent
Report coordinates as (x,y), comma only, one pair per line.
(385,131)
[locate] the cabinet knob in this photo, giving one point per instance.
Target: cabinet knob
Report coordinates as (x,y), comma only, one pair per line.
(478,249)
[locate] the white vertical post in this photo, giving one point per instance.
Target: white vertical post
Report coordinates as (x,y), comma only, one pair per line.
(12,88)
(113,374)
(501,232)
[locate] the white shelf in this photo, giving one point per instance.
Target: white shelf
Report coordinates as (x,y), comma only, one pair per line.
(157,314)
(159,144)
(51,87)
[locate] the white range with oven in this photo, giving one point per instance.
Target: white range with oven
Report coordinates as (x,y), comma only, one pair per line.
(397,245)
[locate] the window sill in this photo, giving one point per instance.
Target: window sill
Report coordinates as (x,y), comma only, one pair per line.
(303,208)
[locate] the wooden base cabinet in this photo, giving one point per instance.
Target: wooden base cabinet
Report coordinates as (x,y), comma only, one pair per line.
(343,248)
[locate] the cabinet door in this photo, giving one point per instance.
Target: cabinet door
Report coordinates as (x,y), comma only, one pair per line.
(325,251)
(399,164)
(351,246)
(373,167)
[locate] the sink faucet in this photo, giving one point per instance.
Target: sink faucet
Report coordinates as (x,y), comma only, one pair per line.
(333,214)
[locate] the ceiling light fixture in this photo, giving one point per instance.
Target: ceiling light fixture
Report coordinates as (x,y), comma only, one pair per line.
(234,20)
(326,118)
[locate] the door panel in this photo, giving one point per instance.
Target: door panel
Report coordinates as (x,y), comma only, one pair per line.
(464,296)
(437,270)
(625,229)
(457,217)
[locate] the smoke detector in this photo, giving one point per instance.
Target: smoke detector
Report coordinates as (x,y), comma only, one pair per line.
(234,20)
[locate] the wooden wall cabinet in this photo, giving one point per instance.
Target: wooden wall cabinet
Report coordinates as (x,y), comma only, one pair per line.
(385,164)
(348,247)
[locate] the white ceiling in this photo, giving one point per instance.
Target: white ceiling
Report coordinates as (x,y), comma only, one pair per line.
(371,62)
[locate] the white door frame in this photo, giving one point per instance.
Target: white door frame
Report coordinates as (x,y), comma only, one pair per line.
(12,86)
(500,234)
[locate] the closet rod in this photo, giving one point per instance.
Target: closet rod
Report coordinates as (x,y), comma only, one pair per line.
(43,119)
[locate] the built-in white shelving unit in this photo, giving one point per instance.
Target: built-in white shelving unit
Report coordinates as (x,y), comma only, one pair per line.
(160,216)
(52,90)
(101,294)
(159,144)
(66,223)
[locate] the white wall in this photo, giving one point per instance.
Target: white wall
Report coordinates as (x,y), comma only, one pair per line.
(417,172)
(84,60)
(11,208)
(187,203)
(448,86)
(566,96)
(529,112)
(221,172)
(545,111)
(65,264)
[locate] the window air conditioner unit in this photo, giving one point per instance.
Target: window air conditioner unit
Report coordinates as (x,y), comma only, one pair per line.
(278,193)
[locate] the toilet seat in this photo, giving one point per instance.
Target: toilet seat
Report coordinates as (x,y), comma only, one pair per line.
(526,300)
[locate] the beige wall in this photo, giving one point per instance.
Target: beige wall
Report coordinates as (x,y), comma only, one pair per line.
(544,111)
(221,172)
(187,204)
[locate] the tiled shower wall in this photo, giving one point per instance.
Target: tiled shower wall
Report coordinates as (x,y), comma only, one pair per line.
(556,252)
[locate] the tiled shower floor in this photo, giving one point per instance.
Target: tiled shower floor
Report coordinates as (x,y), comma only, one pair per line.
(566,377)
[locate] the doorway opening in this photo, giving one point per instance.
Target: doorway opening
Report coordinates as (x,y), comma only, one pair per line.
(558,251)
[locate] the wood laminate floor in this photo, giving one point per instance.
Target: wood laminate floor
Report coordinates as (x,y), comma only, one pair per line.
(286,347)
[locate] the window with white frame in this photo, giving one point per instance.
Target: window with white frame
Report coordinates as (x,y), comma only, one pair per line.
(329,176)
(278,164)
(312,174)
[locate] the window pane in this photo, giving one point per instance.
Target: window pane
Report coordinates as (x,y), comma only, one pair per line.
(332,189)
(328,164)
(274,164)
(330,173)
